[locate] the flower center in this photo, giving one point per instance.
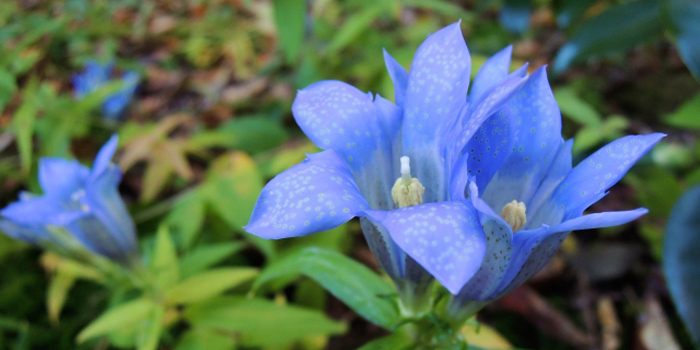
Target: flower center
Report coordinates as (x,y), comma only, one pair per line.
(407,190)
(514,214)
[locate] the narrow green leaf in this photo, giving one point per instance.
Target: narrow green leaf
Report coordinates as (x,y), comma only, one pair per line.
(395,341)
(353,283)
(572,106)
(149,333)
(164,263)
(59,286)
(681,261)
(606,33)
(187,217)
(234,180)
(260,322)
(208,284)
(23,124)
(206,256)
(686,116)
(206,339)
(684,16)
(251,134)
(121,316)
(570,10)
(289,18)
(354,26)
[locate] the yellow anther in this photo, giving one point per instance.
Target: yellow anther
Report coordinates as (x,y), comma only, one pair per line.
(407,191)
(514,214)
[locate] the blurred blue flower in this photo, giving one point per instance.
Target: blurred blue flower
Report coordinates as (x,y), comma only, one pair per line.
(95,76)
(80,208)
(498,148)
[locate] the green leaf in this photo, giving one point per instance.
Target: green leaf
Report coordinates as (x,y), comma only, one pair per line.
(351,282)
(575,108)
(208,284)
(684,15)
(59,286)
(681,261)
(150,332)
(23,124)
(261,322)
(289,18)
(356,25)
(395,341)
(657,189)
(120,316)
(273,163)
(686,116)
(232,188)
(8,86)
(607,33)
(206,339)
(250,134)
(570,10)
(187,217)
(164,263)
(206,256)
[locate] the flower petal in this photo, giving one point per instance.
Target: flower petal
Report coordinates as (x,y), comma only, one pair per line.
(337,116)
(499,237)
(399,76)
(103,201)
(316,195)
(539,207)
(445,238)
(437,86)
(488,148)
(104,158)
(532,249)
(537,130)
(61,177)
(589,180)
(494,70)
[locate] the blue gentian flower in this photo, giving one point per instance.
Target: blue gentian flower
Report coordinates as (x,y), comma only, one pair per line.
(428,174)
(80,209)
(95,76)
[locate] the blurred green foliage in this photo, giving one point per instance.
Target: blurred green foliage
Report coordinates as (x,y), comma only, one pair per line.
(211,123)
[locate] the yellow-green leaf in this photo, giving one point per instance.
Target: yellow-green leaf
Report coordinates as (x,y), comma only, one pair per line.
(121,316)
(208,284)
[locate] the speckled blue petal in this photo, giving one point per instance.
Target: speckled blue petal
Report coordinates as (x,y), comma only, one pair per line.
(494,70)
(104,158)
(390,116)
(114,106)
(589,180)
(475,117)
(537,130)
(117,235)
(489,147)
(61,177)
(337,116)
(95,75)
(499,237)
(437,86)
(316,195)
(532,249)
(437,91)
(399,76)
(34,212)
(445,238)
(539,208)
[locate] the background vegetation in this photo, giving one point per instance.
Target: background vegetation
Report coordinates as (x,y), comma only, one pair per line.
(211,122)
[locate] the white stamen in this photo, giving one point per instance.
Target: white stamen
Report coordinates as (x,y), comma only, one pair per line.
(406,170)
